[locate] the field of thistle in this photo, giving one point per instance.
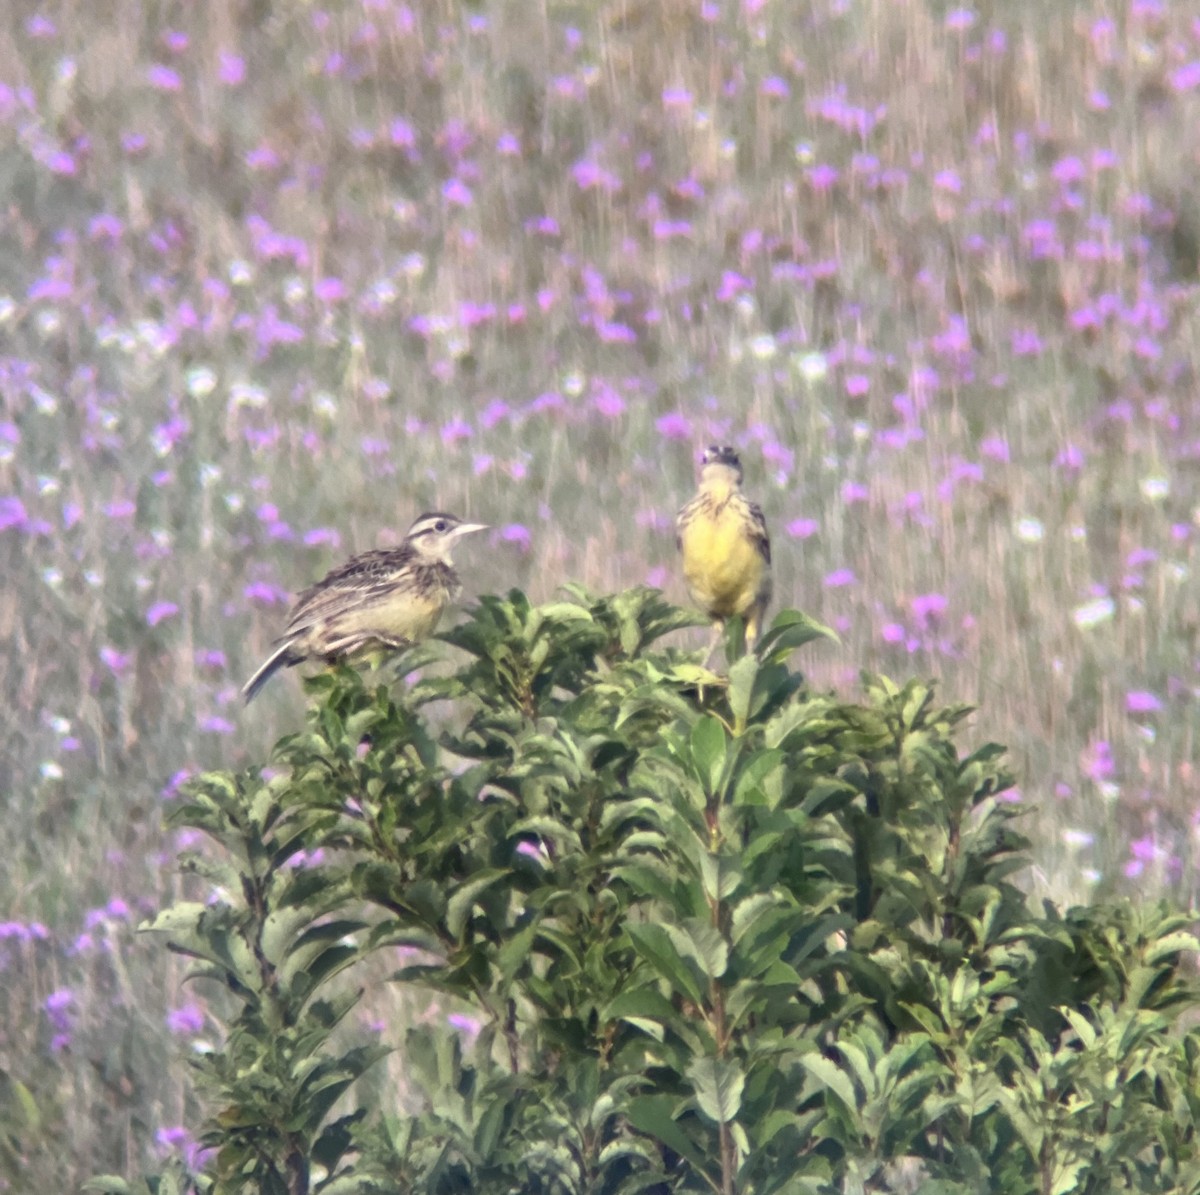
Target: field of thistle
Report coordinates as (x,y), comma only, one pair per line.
(275,279)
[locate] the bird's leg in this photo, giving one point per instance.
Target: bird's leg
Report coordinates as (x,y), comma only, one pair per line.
(373,660)
(751,632)
(718,627)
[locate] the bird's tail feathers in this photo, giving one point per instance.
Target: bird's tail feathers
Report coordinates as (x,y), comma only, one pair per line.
(281,657)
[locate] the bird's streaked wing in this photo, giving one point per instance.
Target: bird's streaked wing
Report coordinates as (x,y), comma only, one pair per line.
(759,534)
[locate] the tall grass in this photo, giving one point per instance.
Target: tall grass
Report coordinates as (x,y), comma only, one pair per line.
(272,281)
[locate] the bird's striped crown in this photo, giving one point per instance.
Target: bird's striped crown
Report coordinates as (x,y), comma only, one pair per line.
(434,532)
(719,457)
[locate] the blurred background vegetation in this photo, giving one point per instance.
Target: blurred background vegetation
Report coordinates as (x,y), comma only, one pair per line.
(274,279)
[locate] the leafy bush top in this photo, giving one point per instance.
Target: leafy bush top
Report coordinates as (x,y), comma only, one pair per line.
(719,934)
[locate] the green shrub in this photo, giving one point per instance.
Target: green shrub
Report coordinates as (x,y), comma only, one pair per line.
(718,935)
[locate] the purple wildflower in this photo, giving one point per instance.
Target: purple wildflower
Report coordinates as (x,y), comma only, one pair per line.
(457,193)
(1141,701)
(187,1020)
(177,1139)
(1187,77)
(121,508)
(329,290)
(732,285)
(115,661)
(60,1012)
(1096,762)
(468,1025)
(1142,851)
(1071,457)
(802,528)
(822,177)
(495,411)
(675,426)
(12,513)
(517,533)
(455,429)
(606,400)
(550,400)
(261,593)
(160,612)
(163,78)
(402,134)
(927,608)
(1026,342)
(231,69)
(590,176)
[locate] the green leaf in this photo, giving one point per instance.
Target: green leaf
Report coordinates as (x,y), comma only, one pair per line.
(462,901)
(640,1003)
(564,612)
(658,948)
(1066,1178)
(760,781)
(316,969)
(708,752)
(490,1127)
(654,1115)
(720,875)
(748,912)
(334,1142)
(1082,1026)
(1170,945)
(18,1105)
(791,630)
(349,1184)
(182,916)
(832,1078)
(762,928)
(514,954)
(741,685)
(717,1084)
(702,941)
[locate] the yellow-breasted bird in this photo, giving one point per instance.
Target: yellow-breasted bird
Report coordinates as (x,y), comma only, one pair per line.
(385,598)
(726,550)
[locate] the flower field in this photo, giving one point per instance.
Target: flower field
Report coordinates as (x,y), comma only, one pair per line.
(275,279)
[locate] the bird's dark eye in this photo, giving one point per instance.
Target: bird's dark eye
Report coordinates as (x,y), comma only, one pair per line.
(440,525)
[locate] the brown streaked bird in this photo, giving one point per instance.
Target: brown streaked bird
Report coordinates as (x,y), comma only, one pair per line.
(726,550)
(386,598)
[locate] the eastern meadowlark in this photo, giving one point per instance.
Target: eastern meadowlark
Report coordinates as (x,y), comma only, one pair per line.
(385,598)
(726,550)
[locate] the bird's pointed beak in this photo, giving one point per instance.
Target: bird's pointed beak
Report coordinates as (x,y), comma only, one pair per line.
(467,528)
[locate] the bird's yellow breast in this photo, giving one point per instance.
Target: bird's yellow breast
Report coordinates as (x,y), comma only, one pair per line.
(723,568)
(411,616)
(403,614)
